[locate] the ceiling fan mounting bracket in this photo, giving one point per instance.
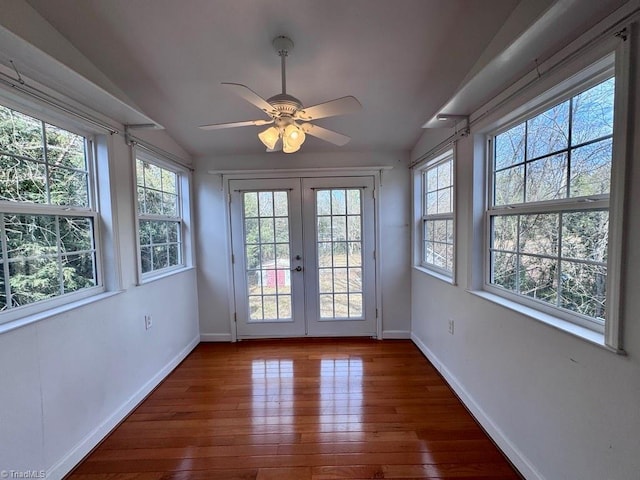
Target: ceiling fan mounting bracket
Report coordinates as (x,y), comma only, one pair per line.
(283,45)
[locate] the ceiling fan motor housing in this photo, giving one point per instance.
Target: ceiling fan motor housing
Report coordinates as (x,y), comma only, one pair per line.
(285,104)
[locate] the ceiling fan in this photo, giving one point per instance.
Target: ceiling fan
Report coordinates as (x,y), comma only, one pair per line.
(289,119)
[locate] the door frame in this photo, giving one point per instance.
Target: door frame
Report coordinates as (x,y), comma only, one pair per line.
(227,175)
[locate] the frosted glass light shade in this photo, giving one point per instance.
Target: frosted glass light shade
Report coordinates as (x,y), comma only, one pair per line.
(269,137)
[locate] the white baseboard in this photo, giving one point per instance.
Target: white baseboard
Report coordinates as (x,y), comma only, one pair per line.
(396,334)
(64,466)
(513,454)
(215,337)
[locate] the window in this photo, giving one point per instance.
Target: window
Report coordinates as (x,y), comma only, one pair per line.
(437,222)
(160,222)
(548,217)
(47,213)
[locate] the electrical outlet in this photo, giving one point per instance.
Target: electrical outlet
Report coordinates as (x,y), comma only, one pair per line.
(451,326)
(147,322)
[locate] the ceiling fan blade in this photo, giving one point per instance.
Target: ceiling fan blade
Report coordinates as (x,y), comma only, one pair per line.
(250,96)
(325,134)
(339,106)
(218,126)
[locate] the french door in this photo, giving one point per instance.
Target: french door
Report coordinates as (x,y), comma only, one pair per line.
(303,256)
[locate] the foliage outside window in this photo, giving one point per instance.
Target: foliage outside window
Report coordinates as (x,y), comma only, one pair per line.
(47,214)
(549,205)
(159,217)
(438,214)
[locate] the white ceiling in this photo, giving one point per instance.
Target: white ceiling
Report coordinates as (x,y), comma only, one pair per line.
(403,59)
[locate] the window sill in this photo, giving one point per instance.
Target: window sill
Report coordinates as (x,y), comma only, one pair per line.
(52,312)
(164,274)
(432,273)
(590,336)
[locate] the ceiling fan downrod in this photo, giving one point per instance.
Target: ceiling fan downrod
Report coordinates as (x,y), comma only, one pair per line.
(283,46)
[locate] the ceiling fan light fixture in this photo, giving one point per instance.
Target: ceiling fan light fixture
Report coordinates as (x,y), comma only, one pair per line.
(294,134)
(269,137)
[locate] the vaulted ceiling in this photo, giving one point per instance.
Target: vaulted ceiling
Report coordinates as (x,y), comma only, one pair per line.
(403,59)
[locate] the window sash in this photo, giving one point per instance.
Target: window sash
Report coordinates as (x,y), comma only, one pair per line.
(146,251)
(560,206)
(446,157)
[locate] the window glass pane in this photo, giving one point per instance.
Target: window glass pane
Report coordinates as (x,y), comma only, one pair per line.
(68,187)
(174,231)
(353,228)
(444,175)
(353,202)
(538,278)
(592,115)
(153,202)
(591,169)
(282,230)
(548,132)
(444,201)
(585,235)
(432,203)
(78,272)
(323,202)
(159,232)
(33,280)
(267,231)
(504,232)
(20,134)
(265,204)
(170,204)
(65,148)
(145,230)
(509,186)
(547,178)
(160,257)
(509,147)
(504,270)
(76,233)
(30,235)
(539,234)
(250,204)
(22,180)
(152,176)
(584,289)
(174,255)
(339,228)
(169,182)
(324,228)
(281,204)
(338,202)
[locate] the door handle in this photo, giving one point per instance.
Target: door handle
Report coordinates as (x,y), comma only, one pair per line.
(297,269)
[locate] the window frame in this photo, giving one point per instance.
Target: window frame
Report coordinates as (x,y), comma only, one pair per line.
(91,211)
(183,211)
(615,63)
(444,155)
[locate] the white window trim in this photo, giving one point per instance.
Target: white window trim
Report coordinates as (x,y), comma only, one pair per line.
(184,209)
(608,336)
(19,316)
(418,194)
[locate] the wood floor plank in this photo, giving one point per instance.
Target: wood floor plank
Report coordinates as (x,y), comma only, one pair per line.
(313,409)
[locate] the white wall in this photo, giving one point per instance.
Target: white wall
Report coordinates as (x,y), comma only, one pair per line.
(211,240)
(561,408)
(66,380)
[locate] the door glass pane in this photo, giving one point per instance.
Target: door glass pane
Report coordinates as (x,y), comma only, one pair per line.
(339,218)
(267,251)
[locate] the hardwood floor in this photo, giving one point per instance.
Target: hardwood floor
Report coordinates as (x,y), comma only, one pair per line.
(299,410)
